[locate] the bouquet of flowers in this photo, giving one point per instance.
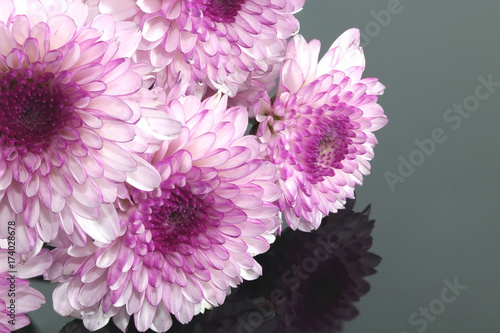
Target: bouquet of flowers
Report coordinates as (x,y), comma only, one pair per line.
(156,146)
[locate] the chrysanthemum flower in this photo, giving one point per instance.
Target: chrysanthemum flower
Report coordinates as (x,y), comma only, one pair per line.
(219,43)
(69,103)
(319,127)
(16,296)
(186,243)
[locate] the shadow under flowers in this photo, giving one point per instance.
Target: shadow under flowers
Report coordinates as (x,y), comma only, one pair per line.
(310,283)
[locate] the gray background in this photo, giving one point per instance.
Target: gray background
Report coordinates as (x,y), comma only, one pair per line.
(442,221)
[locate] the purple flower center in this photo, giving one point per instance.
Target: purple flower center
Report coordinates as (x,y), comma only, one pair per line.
(32,108)
(325,151)
(176,217)
(179,217)
(223,10)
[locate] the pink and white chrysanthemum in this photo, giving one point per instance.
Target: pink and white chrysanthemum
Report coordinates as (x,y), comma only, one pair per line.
(319,127)
(185,244)
(219,43)
(70,101)
(16,296)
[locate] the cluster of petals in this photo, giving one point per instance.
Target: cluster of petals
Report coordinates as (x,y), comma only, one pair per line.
(319,128)
(186,243)
(222,44)
(17,297)
(71,104)
(123,144)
